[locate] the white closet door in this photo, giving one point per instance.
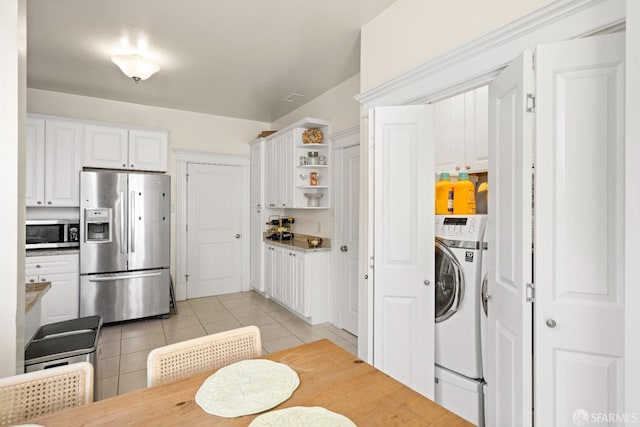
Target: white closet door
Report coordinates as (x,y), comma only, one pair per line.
(403,248)
(214,227)
(509,238)
(580,231)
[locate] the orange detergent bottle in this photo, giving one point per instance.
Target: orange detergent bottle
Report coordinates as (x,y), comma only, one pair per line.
(444,195)
(464,197)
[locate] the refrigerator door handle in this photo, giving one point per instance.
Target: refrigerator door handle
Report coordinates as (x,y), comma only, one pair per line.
(122,240)
(132,222)
(135,276)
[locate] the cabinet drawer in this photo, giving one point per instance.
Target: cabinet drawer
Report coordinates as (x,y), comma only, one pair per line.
(51,264)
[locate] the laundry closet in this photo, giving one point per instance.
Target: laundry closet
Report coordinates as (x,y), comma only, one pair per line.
(558,106)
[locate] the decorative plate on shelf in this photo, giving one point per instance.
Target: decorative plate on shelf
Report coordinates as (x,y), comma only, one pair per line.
(302,416)
(247,387)
(312,136)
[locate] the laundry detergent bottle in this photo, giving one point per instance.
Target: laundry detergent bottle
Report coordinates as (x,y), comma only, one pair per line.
(464,197)
(444,195)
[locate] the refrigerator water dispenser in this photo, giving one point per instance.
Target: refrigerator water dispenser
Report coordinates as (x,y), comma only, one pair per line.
(98,225)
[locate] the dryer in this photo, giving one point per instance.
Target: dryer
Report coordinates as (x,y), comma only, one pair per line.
(458,258)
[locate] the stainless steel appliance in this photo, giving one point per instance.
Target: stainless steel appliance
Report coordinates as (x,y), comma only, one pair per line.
(124,245)
(52,234)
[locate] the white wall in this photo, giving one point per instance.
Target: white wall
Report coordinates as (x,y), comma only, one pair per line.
(12,121)
(187,130)
(411,32)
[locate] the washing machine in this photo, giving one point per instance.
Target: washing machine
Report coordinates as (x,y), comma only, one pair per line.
(458,258)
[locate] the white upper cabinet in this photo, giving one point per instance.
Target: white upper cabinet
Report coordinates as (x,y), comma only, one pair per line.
(148,150)
(296,175)
(34,180)
(53,151)
(105,147)
(461,126)
(113,147)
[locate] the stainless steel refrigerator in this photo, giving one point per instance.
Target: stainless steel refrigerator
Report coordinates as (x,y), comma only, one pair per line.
(124,245)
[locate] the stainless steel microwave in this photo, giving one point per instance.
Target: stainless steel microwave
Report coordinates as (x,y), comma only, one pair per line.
(52,234)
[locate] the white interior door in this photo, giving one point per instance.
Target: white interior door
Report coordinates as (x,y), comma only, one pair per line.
(347,216)
(580,302)
(509,239)
(214,245)
(403,247)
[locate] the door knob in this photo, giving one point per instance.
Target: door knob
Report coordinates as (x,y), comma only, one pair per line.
(551,323)
(237,236)
(344,248)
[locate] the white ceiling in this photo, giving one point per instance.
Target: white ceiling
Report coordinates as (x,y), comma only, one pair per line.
(236,58)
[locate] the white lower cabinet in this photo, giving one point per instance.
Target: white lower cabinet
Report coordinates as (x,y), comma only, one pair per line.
(61,302)
(298,280)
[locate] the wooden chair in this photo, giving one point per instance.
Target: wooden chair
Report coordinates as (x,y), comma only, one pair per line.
(186,358)
(31,395)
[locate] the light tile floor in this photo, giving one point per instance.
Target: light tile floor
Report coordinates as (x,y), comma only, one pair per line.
(123,348)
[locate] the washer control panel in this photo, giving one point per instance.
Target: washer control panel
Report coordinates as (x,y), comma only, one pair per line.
(460,227)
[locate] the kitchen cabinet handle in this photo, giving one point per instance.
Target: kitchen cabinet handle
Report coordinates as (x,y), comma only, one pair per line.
(237,236)
(457,168)
(43,279)
(49,202)
(551,323)
(467,167)
(427,282)
(132,222)
(39,202)
(37,265)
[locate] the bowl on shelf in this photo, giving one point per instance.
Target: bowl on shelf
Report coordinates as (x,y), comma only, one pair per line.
(314,242)
(313,199)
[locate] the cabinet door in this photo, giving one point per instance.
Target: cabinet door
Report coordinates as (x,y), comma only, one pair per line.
(61,302)
(148,150)
(476,130)
(270,171)
(257,253)
(300,303)
(287,169)
(279,172)
(105,147)
(63,148)
(288,279)
(449,134)
(278,273)
(268,270)
(34,181)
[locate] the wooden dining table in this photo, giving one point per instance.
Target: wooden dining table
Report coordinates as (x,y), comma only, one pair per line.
(330,377)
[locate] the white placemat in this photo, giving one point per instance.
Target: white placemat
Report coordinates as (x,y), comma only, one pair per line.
(247,387)
(302,416)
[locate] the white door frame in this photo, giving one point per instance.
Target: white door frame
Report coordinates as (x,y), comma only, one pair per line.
(182,159)
(476,63)
(339,141)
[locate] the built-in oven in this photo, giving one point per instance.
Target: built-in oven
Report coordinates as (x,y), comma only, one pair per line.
(52,234)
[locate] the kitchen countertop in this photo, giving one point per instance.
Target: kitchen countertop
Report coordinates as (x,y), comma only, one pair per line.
(33,292)
(44,252)
(299,243)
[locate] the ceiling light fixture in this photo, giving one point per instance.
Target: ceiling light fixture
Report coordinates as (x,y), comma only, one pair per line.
(135,66)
